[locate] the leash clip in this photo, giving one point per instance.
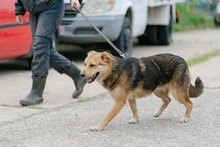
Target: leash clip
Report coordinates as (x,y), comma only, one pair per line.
(122,55)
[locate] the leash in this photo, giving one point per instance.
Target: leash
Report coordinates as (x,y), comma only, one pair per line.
(114,47)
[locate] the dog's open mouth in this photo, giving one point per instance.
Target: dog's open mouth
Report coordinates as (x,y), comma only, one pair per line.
(92,78)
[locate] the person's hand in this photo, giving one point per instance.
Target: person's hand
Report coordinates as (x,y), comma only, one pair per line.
(19,19)
(75,3)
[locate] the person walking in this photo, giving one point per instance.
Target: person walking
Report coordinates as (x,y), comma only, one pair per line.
(45,16)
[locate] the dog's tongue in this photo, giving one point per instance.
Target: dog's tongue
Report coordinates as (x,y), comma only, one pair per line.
(92,78)
(89,80)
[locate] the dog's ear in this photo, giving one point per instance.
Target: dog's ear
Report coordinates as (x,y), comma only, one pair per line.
(91,52)
(107,57)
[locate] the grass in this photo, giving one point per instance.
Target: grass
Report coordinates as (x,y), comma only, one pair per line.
(91,98)
(203,57)
(191,18)
(36,107)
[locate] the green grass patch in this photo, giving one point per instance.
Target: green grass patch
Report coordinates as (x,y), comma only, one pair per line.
(87,99)
(36,107)
(191,18)
(92,98)
(203,58)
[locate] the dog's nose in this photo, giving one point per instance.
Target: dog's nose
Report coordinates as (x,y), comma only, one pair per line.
(82,75)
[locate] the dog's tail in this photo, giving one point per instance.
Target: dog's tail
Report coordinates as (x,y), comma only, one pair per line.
(195,91)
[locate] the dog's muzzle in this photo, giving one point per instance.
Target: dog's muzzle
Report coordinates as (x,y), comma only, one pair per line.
(92,78)
(82,75)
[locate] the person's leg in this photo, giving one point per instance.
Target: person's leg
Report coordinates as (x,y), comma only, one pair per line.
(62,64)
(43,28)
(38,84)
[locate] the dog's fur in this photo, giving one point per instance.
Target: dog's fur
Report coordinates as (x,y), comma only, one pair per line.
(130,78)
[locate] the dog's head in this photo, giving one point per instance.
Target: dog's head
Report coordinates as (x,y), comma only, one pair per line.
(97,65)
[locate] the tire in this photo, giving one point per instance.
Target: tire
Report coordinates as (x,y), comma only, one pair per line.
(149,37)
(164,34)
(29,61)
(125,40)
(157,35)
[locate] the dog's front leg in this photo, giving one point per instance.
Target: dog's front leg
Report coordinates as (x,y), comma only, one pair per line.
(114,111)
(135,119)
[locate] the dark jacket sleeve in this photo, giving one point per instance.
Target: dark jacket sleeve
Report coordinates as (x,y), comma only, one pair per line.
(19,8)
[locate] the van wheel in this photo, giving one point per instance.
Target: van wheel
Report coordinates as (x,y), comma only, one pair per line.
(164,35)
(124,41)
(149,37)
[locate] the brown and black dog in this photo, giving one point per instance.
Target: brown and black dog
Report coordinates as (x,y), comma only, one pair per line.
(129,78)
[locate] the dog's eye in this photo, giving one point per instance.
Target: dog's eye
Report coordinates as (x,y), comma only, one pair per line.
(92,65)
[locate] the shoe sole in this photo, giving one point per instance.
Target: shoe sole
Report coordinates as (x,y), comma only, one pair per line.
(24,103)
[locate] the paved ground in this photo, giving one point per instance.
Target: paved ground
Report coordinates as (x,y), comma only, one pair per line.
(61,121)
(68,125)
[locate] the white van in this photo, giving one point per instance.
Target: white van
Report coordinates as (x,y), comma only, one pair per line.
(120,21)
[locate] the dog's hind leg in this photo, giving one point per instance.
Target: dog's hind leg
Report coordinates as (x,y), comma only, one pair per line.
(135,119)
(163,94)
(183,98)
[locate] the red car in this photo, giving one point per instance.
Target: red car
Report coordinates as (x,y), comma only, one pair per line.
(15,39)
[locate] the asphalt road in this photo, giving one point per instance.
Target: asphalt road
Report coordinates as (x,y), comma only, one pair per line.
(69,125)
(62,121)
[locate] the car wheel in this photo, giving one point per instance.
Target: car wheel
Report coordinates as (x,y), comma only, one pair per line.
(164,34)
(149,37)
(125,41)
(29,61)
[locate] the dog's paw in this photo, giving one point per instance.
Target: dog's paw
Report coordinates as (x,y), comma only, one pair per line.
(184,120)
(133,121)
(156,115)
(95,129)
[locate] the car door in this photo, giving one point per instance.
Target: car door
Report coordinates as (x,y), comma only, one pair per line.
(15,39)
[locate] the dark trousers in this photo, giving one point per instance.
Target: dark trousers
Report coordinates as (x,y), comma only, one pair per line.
(43,27)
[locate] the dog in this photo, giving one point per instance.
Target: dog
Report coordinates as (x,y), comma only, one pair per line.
(129,78)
